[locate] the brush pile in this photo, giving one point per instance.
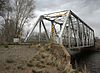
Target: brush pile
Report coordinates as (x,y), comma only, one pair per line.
(51,58)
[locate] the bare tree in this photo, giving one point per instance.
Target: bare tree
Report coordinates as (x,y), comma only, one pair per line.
(2,6)
(16,16)
(24,11)
(3,10)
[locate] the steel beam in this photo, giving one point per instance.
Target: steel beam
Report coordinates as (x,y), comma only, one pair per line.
(45,30)
(32,29)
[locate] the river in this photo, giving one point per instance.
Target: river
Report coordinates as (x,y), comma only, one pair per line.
(89,59)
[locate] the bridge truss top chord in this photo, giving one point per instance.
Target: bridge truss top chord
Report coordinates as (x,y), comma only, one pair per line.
(63,28)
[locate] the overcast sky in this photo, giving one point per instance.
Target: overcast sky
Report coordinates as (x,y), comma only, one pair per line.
(87,10)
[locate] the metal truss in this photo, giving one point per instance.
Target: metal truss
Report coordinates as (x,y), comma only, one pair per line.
(65,28)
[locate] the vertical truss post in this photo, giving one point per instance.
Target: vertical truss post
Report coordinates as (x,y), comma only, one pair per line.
(66,35)
(93,38)
(73,30)
(88,35)
(40,31)
(82,34)
(69,37)
(52,32)
(77,33)
(85,36)
(60,27)
(90,38)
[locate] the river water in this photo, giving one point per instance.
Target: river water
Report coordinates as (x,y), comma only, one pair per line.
(89,59)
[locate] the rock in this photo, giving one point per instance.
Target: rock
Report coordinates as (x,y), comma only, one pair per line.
(37,71)
(10,60)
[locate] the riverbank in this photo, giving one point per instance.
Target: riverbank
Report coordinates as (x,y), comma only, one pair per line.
(35,58)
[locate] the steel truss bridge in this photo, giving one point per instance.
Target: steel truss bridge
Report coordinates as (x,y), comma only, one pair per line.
(62,27)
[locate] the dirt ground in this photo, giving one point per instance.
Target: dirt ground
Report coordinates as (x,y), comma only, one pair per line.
(41,59)
(14,59)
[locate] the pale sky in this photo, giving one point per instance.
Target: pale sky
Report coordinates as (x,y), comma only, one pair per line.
(87,10)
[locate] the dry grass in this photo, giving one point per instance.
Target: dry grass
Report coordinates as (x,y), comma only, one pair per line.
(51,58)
